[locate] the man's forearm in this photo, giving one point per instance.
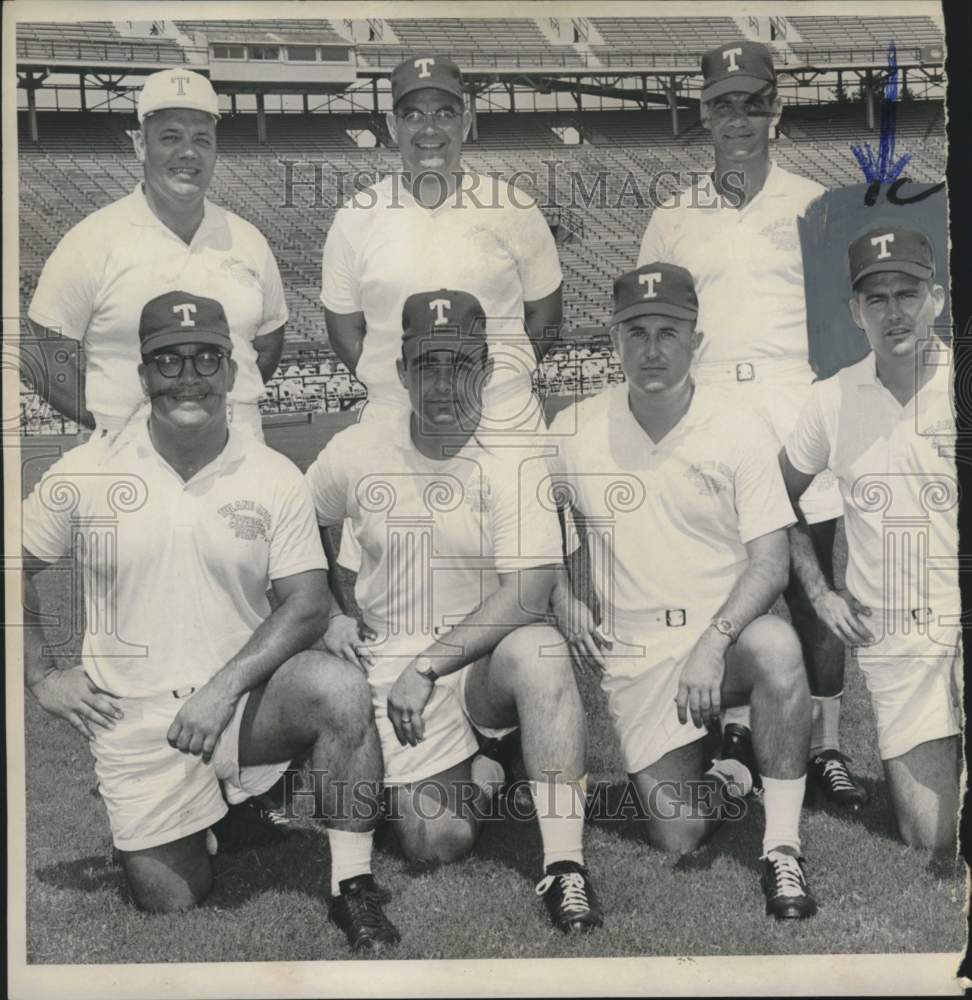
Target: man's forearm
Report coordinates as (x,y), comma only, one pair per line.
(806,565)
(481,631)
(37,664)
(294,626)
(63,391)
(341,579)
(754,593)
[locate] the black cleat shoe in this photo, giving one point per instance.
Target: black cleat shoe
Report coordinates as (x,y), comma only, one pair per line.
(357,910)
(784,881)
(250,824)
(570,898)
(737,743)
(829,772)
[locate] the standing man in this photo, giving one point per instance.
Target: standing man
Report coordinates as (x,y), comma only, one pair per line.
(736,232)
(688,543)
(886,428)
(200,682)
(164,235)
(436,225)
(458,564)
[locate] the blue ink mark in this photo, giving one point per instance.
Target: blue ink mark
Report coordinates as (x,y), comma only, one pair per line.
(883,169)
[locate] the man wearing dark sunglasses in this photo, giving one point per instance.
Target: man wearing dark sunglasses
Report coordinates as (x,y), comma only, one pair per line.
(188,680)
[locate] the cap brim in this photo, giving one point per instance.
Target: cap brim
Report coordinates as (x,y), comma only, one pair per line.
(738,83)
(653,309)
(159,341)
(423,85)
(186,107)
(901,266)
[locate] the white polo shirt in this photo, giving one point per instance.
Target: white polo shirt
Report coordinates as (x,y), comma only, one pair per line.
(175,572)
(897,480)
(484,239)
(434,535)
(747,265)
(674,517)
(104,270)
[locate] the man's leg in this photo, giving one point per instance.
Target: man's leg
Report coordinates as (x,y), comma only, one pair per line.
(766,666)
(315,700)
(172,877)
(924,786)
(437,819)
(824,656)
(517,685)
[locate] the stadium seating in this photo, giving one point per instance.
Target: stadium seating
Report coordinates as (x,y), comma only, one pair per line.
(93,41)
(861,33)
(665,34)
(319,30)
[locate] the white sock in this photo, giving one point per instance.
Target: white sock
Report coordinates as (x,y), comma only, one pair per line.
(825,732)
(350,855)
(739,715)
(734,772)
(560,812)
(782,802)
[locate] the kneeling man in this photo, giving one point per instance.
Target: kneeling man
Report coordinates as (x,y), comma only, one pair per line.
(886,429)
(187,677)
(457,566)
(684,515)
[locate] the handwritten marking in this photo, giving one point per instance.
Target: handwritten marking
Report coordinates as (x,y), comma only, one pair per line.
(883,168)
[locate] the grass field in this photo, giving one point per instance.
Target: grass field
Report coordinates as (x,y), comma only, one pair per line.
(876,896)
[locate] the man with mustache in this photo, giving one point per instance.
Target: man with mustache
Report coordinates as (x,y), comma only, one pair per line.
(163,235)
(736,232)
(886,428)
(182,523)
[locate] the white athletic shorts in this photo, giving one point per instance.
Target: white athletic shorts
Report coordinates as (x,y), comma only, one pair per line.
(779,390)
(914,675)
(450,733)
(154,793)
(641,682)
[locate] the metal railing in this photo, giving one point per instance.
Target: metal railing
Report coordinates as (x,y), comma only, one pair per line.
(86,50)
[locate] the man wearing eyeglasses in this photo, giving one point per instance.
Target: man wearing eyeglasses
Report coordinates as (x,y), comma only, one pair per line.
(163,235)
(437,225)
(736,232)
(187,678)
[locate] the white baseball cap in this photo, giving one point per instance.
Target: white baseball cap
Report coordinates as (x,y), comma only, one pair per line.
(177,88)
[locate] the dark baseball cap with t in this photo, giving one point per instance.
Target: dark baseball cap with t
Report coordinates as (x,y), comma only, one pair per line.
(426,72)
(742,66)
(447,315)
(655,289)
(891,248)
(182,318)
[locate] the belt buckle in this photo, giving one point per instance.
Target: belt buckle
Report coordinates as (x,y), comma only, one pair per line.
(675,617)
(745,372)
(921,615)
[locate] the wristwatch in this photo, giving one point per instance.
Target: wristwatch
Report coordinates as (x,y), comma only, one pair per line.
(428,673)
(725,626)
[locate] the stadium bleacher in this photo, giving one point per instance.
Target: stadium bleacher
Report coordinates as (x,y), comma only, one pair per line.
(94,41)
(851,32)
(665,34)
(215,30)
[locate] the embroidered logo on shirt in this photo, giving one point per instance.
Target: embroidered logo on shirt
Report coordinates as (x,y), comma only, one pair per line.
(782,234)
(247,519)
(240,271)
(709,478)
(479,496)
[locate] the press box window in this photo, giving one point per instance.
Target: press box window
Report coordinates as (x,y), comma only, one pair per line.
(301,53)
(265,52)
(229,52)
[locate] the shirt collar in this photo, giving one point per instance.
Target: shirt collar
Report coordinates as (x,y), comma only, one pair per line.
(401,438)
(141,214)
(696,413)
(136,435)
(865,372)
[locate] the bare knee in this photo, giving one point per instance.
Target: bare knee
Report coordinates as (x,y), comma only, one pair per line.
(163,881)
(675,836)
(337,693)
(522,653)
(773,647)
(437,841)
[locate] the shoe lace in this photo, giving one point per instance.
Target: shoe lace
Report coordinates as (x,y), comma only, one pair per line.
(366,909)
(836,773)
(787,875)
(572,888)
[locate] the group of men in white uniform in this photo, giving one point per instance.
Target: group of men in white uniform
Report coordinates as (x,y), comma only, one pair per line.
(679,515)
